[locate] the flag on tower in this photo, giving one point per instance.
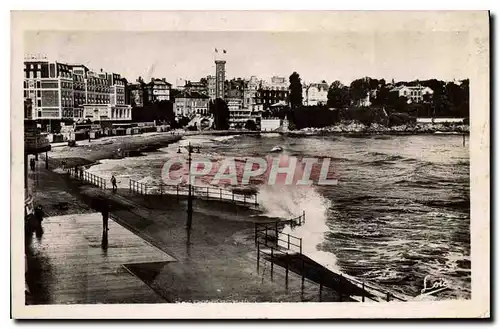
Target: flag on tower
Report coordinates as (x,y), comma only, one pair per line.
(216,50)
(224,51)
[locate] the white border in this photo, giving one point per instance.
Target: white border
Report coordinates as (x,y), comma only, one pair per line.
(478,306)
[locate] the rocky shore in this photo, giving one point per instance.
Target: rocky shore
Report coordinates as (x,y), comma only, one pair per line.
(408,129)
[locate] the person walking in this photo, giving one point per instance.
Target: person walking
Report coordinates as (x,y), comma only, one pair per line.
(113,182)
(105,216)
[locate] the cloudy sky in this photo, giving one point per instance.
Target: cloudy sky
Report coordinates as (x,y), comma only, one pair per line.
(331,56)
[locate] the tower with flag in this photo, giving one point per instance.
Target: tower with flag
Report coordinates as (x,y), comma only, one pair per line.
(220,73)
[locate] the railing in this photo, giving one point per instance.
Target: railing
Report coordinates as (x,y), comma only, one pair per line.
(86,177)
(206,192)
(278,247)
(267,233)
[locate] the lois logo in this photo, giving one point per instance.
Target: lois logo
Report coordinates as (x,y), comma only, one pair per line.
(434,285)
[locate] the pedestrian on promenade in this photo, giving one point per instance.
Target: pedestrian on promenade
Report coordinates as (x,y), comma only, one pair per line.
(81,173)
(39,218)
(105,216)
(76,171)
(113,182)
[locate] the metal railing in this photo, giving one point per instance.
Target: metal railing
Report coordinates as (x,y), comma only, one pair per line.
(277,247)
(87,177)
(269,235)
(206,192)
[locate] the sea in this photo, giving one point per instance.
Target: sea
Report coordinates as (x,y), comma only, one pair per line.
(399,211)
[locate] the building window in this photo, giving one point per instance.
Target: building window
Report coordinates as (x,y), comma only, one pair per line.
(38,93)
(38,84)
(39,103)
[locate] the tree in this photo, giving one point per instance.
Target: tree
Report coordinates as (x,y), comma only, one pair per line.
(338,95)
(250,125)
(295,91)
(359,89)
(220,111)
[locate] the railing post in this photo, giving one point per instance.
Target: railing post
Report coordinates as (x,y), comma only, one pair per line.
(303,216)
(255,232)
(300,246)
(266,236)
(272,262)
(288,241)
(320,287)
(340,287)
(220,191)
(161,190)
(302,272)
(286,273)
(233,194)
(256,200)
(208,193)
(388,296)
(363,296)
(276,229)
(177,188)
(129,185)
(244,198)
(258,255)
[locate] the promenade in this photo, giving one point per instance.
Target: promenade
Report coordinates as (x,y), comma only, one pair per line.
(150,255)
(72,261)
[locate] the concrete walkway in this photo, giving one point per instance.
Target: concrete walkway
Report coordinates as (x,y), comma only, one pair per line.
(71,261)
(74,261)
(215,261)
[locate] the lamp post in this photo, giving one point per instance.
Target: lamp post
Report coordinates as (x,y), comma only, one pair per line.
(190,197)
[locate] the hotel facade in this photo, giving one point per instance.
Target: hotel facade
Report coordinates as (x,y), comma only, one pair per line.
(66,93)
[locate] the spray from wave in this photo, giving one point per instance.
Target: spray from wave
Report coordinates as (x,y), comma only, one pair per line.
(287,202)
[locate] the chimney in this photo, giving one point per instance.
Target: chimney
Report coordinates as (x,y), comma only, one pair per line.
(164,80)
(152,79)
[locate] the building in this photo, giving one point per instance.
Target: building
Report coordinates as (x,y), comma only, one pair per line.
(60,92)
(315,94)
(239,115)
(235,89)
(197,86)
(414,94)
(135,93)
(211,86)
(117,89)
(156,90)
(188,104)
(250,93)
(273,92)
(49,86)
(107,112)
(270,124)
(220,78)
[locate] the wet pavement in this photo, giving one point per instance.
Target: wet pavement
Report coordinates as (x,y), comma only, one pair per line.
(74,261)
(215,261)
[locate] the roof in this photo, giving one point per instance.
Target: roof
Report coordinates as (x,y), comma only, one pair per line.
(419,87)
(191,94)
(158,81)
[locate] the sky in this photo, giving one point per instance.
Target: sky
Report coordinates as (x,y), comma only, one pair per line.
(316,56)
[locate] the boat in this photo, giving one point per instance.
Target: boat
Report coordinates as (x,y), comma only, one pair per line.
(277,149)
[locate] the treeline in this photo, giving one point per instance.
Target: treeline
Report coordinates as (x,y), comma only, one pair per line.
(449,99)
